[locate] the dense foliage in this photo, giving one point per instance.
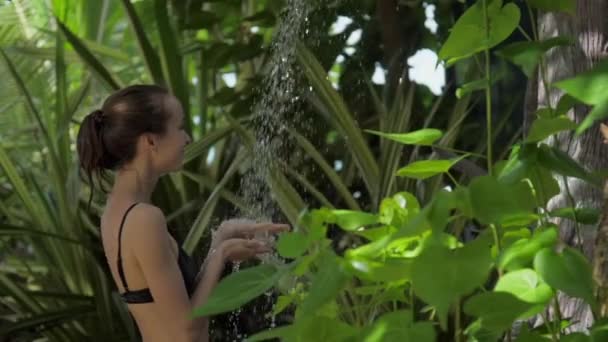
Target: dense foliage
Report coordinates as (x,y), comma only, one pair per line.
(433,221)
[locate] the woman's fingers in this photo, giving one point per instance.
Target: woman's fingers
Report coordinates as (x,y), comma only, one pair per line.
(252,229)
(242,249)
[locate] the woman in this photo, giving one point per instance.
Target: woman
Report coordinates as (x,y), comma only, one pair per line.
(138,132)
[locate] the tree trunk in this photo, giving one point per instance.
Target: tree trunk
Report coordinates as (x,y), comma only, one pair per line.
(588,29)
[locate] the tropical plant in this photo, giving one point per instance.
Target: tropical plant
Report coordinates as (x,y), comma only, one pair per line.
(408,271)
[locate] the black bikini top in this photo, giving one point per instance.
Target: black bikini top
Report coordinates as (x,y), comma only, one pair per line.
(185,263)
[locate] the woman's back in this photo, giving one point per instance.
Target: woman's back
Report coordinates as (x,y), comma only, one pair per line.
(144,312)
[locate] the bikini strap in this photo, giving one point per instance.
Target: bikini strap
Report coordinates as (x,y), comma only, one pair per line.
(121,272)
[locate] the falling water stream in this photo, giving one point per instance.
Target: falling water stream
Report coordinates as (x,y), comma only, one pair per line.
(273,112)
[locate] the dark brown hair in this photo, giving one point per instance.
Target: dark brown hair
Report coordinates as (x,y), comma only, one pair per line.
(108,136)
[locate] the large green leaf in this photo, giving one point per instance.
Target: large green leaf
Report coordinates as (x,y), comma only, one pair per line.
(312,328)
(326,284)
(497,310)
(557,160)
(351,220)
(588,86)
(455,273)
(521,253)
(471,34)
(568,271)
(528,54)
(292,244)
(239,288)
(495,202)
(545,127)
(599,112)
(526,286)
(399,326)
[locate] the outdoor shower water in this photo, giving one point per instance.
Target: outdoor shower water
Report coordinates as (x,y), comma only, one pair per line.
(272,115)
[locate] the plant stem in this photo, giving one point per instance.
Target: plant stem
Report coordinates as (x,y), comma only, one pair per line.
(453,179)
(488,89)
(457,334)
(558,314)
(553,336)
(523,32)
(458,151)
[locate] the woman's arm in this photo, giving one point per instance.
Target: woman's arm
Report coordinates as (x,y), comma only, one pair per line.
(152,249)
(207,279)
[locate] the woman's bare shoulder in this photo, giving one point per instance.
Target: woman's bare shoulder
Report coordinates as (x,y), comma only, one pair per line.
(147,221)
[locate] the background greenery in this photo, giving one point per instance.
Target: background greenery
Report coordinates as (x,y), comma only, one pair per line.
(62,58)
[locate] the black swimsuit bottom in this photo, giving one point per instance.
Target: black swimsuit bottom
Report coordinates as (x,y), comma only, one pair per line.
(185,263)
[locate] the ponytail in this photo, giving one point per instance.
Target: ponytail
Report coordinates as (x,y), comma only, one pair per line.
(92,155)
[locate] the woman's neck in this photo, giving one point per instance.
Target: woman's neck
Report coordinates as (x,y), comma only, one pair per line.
(134,183)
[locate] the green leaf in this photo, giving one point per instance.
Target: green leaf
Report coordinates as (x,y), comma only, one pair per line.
(576,337)
(568,6)
(527,54)
(95,66)
(568,271)
(599,330)
(497,310)
(589,216)
(468,35)
(599,112)
(399,326)
(333,106)
(374,234)
(521,253)
(388,270)
(472,86)
(350,220)
(532,336)
(292,244)
(423,137)
(48,318)
(557,160)
(396,210)
(145,47)
(315,328)
(545,127)
(454,273)
(239,288)
(526,286)
(589,86)
(544,184)
(495,202)
(427,168)
(326,284)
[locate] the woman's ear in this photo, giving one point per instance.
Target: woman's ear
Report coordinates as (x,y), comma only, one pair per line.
(604,131)
(149,141)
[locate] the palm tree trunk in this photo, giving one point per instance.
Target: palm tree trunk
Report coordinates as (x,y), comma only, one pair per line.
(588,28)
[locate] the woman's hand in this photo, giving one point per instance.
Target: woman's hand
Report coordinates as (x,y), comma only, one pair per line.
(236,250)
(245,229)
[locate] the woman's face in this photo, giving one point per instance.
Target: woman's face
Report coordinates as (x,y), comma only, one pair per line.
(170,147)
